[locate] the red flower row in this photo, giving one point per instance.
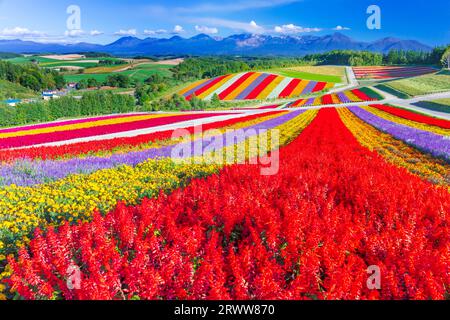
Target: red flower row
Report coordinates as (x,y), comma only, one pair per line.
(311,231)
(53,152)
(405,114)
(29,140)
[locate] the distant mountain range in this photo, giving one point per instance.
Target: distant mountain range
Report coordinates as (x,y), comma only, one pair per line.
(202,44)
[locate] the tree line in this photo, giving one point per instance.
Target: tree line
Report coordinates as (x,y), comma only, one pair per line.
(208,67)
(31,76)
(91,104)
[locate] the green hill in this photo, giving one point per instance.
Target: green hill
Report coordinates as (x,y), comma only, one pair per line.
(12,90)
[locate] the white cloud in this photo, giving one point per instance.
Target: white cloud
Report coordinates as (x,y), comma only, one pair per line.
(95,33)
(155,32)
(292,29)
(74,33)
(250,27)
(21,32)
(129,32)
(178,29)
(341,28)
(206,30)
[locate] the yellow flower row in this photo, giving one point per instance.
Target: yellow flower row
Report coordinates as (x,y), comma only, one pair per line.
(406,122)
(395,151)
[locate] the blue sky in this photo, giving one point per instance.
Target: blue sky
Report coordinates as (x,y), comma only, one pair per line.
(105,21)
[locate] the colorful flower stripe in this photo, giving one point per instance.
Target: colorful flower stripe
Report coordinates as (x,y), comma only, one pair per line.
(335,99)
(309,232)
(343,97)
(26,173)
(290,88)
(62,123)
(395,151)
(276,93)
(215,87)
(82,125)
(112,145)
(409,115)
(76,197)
(438,146)
(361,95)
(98,131)
(192,87)
(206,87)
(390,72)
(224,94)
(260,88)
(253,85)
(409,123)
(243,86)
(198,87)
(225,86)
(270,88)
(319,86)
(348,96)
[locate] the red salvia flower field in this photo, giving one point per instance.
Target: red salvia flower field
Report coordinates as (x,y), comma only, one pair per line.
(311,231)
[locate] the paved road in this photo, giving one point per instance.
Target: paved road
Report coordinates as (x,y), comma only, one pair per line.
(352,82)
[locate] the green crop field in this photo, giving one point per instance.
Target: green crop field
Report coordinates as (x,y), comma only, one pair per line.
(77,63)
(334,74)
(422,85)
(24,60)
(139,73)
(441,105)
(309,76)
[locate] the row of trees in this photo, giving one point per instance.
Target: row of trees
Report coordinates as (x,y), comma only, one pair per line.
(31,76)
(207,67)
(366,58)
(95,103)
(117,80)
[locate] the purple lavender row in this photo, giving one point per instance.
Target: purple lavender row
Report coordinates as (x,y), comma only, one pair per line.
(343,97)
(309,102)
(437,145)
(29,173)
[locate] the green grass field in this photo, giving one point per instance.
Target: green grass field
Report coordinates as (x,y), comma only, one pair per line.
(140,73)
(309,76)
(69,64)
(24,60)
(422,85)
(335,74)
(441,105)
(12,90)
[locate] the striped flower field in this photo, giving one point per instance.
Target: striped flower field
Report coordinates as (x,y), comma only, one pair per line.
(91,127)
(354,187)
(348,96)
(390,72)
(253,86)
